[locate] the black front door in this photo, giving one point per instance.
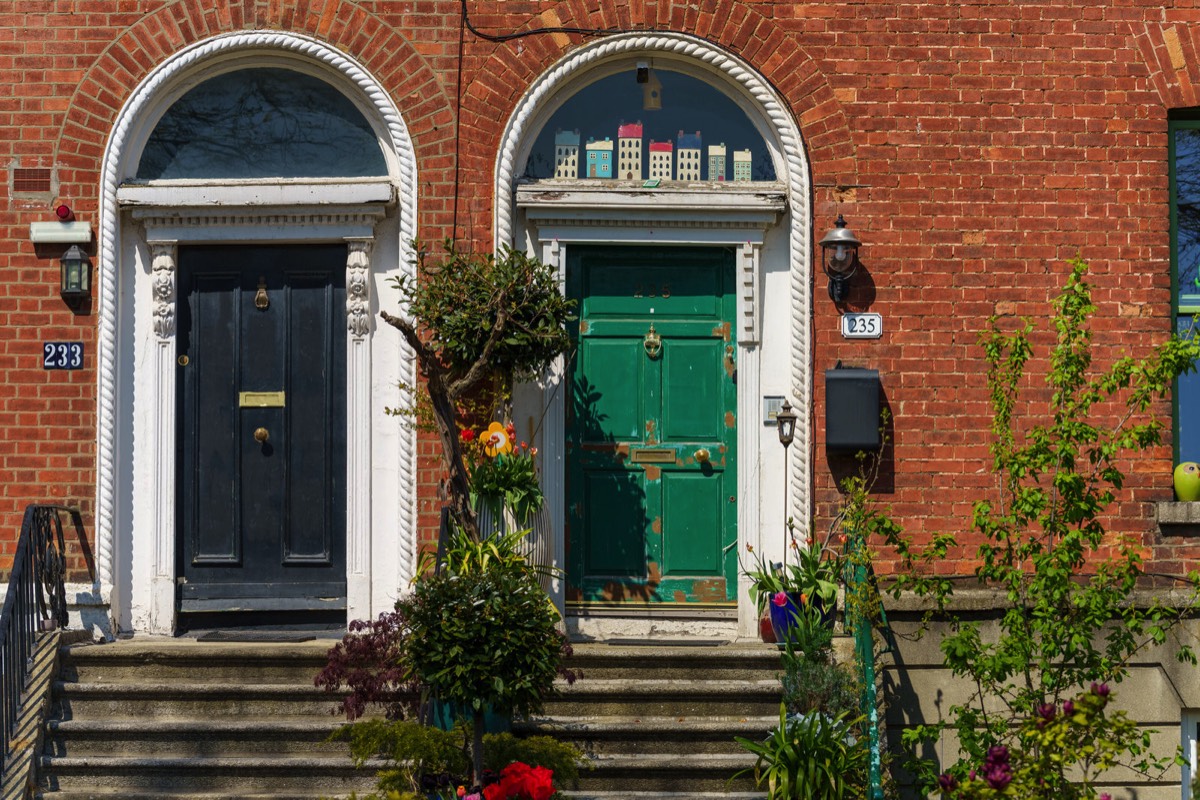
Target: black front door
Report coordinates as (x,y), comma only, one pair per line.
(262,427)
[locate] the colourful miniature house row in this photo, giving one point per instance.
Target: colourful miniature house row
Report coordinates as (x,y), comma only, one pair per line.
(665,163)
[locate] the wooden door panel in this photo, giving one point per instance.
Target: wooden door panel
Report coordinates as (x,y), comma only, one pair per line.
(262,523)
(692,383)
(211,324)
(615,522)
(649,521)
(610,406)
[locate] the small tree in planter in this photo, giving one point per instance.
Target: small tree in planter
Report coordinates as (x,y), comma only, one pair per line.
(482,633)
(476,322)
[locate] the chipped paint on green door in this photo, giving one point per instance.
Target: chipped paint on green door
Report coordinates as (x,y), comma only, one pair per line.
(651,429)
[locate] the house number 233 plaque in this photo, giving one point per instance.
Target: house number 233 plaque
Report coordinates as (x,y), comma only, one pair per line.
(62,355)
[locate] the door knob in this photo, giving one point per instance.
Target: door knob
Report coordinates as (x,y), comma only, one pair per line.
(702,455)
(261,435)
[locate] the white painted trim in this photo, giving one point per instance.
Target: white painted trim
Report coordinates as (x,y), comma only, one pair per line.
(522,224)
(134,522)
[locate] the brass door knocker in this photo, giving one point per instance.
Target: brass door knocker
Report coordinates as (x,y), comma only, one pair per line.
(652,343)
(261,301)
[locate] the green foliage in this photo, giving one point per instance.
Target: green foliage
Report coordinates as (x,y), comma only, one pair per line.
(483,639)
(564,760)
(810,757)
(1070,610)
(425,762)
(812,682)
(1058,754)
(420,758)
(506,307)
(508,480)
(476,323)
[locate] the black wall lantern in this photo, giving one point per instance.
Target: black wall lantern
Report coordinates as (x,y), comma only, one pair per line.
(76,276)
(839,258)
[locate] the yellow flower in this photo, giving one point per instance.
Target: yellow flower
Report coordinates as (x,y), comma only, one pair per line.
(496,440)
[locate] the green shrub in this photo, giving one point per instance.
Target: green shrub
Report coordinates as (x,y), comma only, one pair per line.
(810,757)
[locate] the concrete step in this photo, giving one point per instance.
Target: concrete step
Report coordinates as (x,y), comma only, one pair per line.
(730,795)
(192,737)
(282,777)
(651,735)
(150,794)
(727,662)
(671,772)
(131,700)
(166,660)
(665,697)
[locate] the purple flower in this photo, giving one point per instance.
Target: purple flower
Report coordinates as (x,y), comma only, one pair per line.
(1100,690)
(1068,707)
(997,754)
(1105,796)
(947,782)
(998,776)
(1046,711)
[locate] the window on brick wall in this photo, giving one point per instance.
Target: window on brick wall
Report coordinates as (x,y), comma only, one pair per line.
(262,123)
(1190,741)
(1184,144)
(695,115)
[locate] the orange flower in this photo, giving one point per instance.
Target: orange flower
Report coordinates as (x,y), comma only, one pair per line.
(497,440)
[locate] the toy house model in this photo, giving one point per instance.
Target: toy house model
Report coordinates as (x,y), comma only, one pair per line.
(741,165)
(600,158)
(629,151)
(566,154)
(661,154)
(688,164)
(716,162)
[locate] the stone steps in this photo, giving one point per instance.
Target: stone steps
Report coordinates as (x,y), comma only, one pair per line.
(169,719)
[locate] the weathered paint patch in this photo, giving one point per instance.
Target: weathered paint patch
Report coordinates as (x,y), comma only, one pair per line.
(709,590)
(730,364)
(730,420)
(583,326)
(721,331)
(653,472)
(656,526)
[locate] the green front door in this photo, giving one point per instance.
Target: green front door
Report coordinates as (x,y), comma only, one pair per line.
(651,428)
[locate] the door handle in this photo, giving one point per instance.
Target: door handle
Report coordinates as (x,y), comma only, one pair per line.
(702,455)
(261,435)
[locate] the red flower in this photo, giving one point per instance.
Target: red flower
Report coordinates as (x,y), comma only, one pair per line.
(466,434)
(520,781)
(780,599)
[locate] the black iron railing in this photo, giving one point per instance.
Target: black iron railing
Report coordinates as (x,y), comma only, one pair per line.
(36,602)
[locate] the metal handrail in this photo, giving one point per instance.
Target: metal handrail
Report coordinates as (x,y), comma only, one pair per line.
(857,575)
(36,602)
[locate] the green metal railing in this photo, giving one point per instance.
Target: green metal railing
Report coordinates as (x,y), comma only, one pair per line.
(860,579)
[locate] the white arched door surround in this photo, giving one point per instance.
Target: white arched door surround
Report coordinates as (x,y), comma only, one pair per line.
(141,227)
(770,225)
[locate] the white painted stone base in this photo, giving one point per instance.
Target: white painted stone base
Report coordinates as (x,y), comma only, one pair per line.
(605,628)
(89,611)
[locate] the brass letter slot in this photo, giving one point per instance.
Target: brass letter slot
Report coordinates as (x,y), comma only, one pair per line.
(261,399)
(663,455)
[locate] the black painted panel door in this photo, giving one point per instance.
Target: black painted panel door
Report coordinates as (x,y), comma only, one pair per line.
(262,427)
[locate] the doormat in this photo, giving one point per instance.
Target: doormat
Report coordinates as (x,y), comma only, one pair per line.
(255,636)
(666,642)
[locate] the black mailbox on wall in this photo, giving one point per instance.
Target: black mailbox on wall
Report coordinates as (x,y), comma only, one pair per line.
(852,409)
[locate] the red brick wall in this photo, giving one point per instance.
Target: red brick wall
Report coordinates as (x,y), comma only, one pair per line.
(972,146)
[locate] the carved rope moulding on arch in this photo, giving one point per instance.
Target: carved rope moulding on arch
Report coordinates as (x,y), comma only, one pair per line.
(116,155)
(787,134)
